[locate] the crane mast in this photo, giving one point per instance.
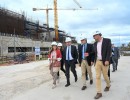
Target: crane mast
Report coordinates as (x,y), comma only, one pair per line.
(56,20)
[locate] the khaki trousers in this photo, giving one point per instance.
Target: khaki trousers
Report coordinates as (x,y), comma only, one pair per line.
(84,67)
(99,67)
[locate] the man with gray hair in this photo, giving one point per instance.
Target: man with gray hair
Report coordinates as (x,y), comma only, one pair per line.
(115,57)
(86,58)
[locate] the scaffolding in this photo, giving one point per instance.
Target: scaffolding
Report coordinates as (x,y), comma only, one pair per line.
(23,26)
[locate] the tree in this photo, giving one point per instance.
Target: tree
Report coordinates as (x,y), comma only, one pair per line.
(123,47)
(129,45)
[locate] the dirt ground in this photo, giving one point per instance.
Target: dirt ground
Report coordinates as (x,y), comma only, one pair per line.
(32,81)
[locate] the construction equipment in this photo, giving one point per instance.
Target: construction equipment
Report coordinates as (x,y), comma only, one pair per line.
(47,18)
(56,15)
(77,3)
(56,18)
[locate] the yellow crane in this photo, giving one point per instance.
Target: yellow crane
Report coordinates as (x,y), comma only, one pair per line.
(56,20)
(56,15)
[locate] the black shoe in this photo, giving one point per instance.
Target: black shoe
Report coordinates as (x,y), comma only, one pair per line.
(113,71)
(84,87)
(76,79)
(68,84)
(91,82)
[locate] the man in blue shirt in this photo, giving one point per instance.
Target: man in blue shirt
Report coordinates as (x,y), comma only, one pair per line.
(70,58)
(86,57)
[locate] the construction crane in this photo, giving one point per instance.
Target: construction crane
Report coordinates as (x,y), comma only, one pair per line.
(56,18)
(77,3)
(47,18)
(56,15)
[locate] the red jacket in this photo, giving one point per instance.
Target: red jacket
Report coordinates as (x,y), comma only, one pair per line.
(58,54)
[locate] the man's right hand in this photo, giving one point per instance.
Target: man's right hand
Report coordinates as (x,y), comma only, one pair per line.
(106,63)
(52,59)
(92,63)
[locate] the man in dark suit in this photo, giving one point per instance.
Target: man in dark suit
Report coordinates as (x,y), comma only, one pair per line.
(115,57)
(86,57)
(70,58)
(102,48)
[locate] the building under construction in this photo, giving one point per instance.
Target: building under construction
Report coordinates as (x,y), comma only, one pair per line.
(20,34)
(18,24)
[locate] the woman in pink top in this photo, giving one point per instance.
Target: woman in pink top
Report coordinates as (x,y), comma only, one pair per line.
(54,56)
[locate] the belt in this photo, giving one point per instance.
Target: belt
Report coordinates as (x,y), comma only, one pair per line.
(69,60)
(83,59)
(99,59)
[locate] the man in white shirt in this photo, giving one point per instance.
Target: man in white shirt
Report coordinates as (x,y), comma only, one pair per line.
(102,48)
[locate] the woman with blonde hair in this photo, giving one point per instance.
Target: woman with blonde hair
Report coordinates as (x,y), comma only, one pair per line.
(54,59)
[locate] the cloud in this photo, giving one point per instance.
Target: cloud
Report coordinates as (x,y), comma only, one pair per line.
(111,18)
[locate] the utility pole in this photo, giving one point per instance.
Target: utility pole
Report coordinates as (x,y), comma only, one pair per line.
(14,44)
(1,51)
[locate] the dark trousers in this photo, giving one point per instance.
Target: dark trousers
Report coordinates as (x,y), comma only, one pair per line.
(115,63)
(86,75)
(62,68)
(70,65)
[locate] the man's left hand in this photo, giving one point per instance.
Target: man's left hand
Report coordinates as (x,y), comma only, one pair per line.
(86,54)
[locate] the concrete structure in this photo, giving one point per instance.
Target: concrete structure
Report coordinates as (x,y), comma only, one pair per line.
(7,45)
(12,45)
(21,34)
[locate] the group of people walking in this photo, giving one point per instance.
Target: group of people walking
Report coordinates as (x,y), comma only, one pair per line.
(99,54)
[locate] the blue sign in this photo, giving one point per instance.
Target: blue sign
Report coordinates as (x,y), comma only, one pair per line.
(37,50)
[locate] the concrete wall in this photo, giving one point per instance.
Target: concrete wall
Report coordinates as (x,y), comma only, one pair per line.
(6,42)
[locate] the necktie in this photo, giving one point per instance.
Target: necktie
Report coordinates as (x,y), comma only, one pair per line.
(68,54)
(113,51)
(83,52)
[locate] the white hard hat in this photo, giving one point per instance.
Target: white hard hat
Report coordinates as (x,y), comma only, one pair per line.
(59,44)
(97,33)
(54,43)
(68,39)
(83,38)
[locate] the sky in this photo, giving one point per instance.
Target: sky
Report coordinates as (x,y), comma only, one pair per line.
(112,18)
